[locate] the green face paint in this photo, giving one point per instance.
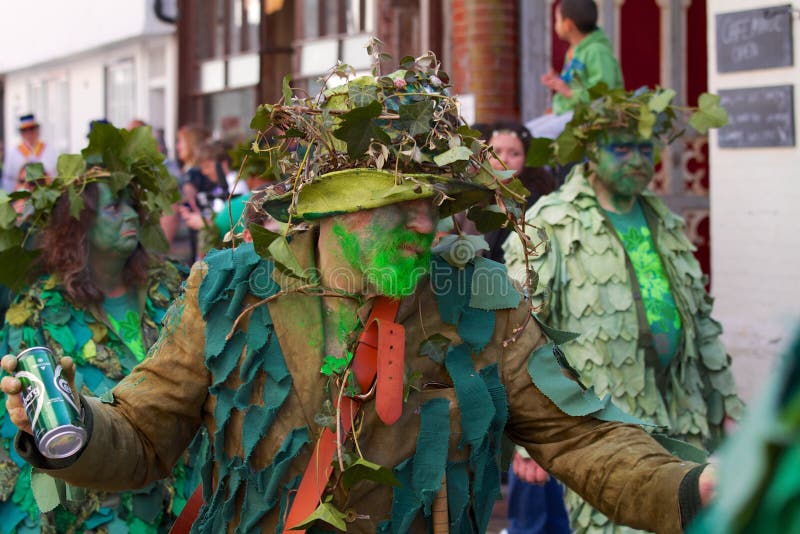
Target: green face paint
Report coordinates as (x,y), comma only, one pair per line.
(116,228)
(625,164)
(391,257)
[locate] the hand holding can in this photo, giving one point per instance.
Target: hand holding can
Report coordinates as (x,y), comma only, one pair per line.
(40,401)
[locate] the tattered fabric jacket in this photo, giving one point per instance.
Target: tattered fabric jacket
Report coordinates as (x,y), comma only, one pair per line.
(586,287)
(45,315)
(255,384)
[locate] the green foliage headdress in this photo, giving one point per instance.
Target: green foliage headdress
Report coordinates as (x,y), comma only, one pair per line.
(373,141)
(120,158)
(649,113)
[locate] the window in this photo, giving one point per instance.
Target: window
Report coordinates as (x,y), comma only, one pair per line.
(49,100)
(332,30)
(121,92)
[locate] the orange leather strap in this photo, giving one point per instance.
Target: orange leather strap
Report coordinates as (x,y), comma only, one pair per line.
(183,524)
(380,352)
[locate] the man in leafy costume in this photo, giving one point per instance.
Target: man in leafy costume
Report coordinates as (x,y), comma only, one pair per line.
(619,270)
(99,298)
(349,379)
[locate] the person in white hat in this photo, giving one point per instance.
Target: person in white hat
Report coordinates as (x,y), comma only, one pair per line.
(31,149)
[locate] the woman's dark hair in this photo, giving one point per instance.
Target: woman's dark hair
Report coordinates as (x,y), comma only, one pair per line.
(581,12)
(65,250)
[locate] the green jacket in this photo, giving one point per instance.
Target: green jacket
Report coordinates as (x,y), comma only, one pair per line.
(256,386)
(593,62)
(44,315)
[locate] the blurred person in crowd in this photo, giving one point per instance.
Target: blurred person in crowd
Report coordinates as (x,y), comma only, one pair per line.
(190,138)
(618,269)
(218,214)
(98,293)
(510,142)
(31,149)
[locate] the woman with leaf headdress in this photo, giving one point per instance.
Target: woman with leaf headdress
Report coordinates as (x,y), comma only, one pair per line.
(97,294)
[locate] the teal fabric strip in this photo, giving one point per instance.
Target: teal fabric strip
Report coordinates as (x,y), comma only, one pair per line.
(491,288)
(288,489)
(430,457)
(223,364)
(474,400)
(458,498)
(262,493)
(559,337)
(405,503)
(451,287)
(567,394)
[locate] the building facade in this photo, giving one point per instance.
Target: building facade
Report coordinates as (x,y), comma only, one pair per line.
(88,60)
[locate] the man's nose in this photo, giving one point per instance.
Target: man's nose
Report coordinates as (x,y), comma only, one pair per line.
(419,216)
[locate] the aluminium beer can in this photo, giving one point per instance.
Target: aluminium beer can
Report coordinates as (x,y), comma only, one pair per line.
(56,420)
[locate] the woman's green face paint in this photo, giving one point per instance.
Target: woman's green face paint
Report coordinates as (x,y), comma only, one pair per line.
(116,228)
(625,163)
(391,257)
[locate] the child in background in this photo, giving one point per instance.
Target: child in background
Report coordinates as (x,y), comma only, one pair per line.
(589,59)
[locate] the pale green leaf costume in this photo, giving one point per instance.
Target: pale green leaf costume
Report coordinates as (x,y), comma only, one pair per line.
(585,287)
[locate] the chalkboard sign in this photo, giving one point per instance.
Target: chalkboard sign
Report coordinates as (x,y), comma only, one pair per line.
(755,39)
(758,117)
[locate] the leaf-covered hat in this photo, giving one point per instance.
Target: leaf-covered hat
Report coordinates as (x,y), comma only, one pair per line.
(649,113)
(372,141)
(117,157)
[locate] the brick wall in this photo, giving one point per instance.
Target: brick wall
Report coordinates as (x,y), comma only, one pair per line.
(485,38)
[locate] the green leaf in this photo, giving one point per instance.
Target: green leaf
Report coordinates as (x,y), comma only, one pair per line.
(47,490)
(516,186)
(459,153)
(362,94)
(8,217)
(363,469)
(284,258)
(327,513)
(710,114)
(11,238)
(105,146)
(435,347)
(75,202)
(118,181)
(70,165)
(262,238)
(335,365)
(487,219)
(33,171)
(261,120)
(416,118)
(358,129)
(647,119)
(541,152)
(15,266)
(660,100)
(568,148)
(287,90)
(153,239)
(43,198)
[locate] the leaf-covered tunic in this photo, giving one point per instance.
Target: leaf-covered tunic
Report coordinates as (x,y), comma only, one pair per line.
(586,287)
(44,315)
(256,386)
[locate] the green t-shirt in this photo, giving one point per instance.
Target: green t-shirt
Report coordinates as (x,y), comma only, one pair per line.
(123,317)
(659,303)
